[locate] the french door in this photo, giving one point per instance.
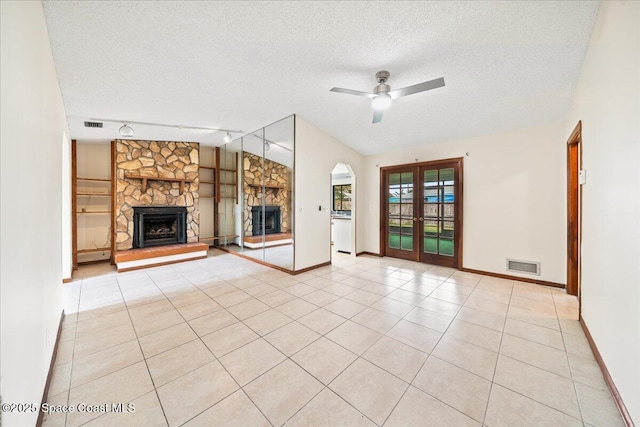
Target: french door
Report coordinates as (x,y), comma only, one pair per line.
(421,212)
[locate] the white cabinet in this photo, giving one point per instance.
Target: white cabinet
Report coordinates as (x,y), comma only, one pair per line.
(342,234)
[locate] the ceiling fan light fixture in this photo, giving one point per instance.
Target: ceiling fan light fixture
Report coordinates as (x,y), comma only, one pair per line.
(228,138)
(381,102)
(126,131)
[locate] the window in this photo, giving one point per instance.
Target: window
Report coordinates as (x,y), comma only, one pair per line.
(342,198)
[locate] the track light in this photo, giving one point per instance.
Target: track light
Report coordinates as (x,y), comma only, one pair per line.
(126,131)
(381,102)
(228,138)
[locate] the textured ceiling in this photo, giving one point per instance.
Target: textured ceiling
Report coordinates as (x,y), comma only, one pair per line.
(243,65)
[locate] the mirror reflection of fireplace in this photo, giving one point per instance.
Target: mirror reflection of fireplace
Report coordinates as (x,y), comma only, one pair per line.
(270,219)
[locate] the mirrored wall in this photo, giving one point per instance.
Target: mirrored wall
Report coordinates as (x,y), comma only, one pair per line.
(259,170)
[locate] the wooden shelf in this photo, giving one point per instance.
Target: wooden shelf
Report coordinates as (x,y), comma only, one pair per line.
(94,179)
(272,187)
(88,251)
(144,180)
(92,194)
(206,167)
(229,236)
(93,212)
(207,182)
(227,170)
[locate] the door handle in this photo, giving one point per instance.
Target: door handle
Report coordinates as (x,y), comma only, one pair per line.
(421,219)
(415,219)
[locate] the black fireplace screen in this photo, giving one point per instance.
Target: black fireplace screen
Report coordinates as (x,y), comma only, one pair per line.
(270,220)
(156,226)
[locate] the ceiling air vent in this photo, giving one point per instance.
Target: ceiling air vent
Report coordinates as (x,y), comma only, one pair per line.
(528,267)
(93,124)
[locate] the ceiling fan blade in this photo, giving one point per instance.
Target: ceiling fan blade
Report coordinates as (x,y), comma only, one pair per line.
(377,116)
(420,87)
(352,92)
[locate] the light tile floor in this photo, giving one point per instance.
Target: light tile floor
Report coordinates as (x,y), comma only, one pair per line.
(366,341)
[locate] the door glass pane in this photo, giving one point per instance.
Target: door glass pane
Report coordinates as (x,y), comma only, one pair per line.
(400,202)
(430,211)
(407,243)
(446,247)
(438,211)
(394,178)
(431,178)
(447,198)
(430,245)
(446,176)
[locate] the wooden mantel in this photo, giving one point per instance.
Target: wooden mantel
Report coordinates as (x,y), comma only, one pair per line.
(158,178)
(257,187)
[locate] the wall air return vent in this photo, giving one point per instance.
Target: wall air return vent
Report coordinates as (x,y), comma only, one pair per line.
(527,267)
(93,124)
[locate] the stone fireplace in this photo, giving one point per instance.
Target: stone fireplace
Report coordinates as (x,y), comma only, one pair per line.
(153,174)
(159,225)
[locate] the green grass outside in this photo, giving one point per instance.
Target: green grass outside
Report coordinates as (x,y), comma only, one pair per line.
(430,244)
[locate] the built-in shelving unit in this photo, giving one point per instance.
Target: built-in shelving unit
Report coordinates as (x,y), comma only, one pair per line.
(216,185)
(90,203)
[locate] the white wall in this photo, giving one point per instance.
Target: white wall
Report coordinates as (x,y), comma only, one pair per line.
(316,155)
(32,124)
(607,101)
(514,197)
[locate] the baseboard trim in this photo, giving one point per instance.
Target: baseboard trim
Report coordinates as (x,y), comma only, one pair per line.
(257,261)
(158,264)
(607,377)
(368,253)
(509,277)
(50,373)
(313,267)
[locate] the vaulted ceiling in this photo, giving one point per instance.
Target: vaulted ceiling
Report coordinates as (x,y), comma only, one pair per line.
(242,65)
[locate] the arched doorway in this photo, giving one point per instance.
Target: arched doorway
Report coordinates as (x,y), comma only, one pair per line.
(343,212)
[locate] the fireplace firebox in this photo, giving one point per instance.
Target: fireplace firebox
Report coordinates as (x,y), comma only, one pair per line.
(270,219)
(159,225)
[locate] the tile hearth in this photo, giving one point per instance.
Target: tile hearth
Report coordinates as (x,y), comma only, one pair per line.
(367,341)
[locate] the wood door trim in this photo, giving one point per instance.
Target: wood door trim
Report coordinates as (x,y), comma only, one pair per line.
(74,207)
(114,196)
(574,220)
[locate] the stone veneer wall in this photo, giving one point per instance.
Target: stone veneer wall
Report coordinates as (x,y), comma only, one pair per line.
(157,159)
(275,174)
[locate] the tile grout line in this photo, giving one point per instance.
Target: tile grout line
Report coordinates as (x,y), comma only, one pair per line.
(215,358)
(73,354)
(495,367)
(155,389)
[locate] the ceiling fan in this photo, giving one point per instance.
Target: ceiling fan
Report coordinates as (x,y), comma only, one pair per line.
(382,93)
